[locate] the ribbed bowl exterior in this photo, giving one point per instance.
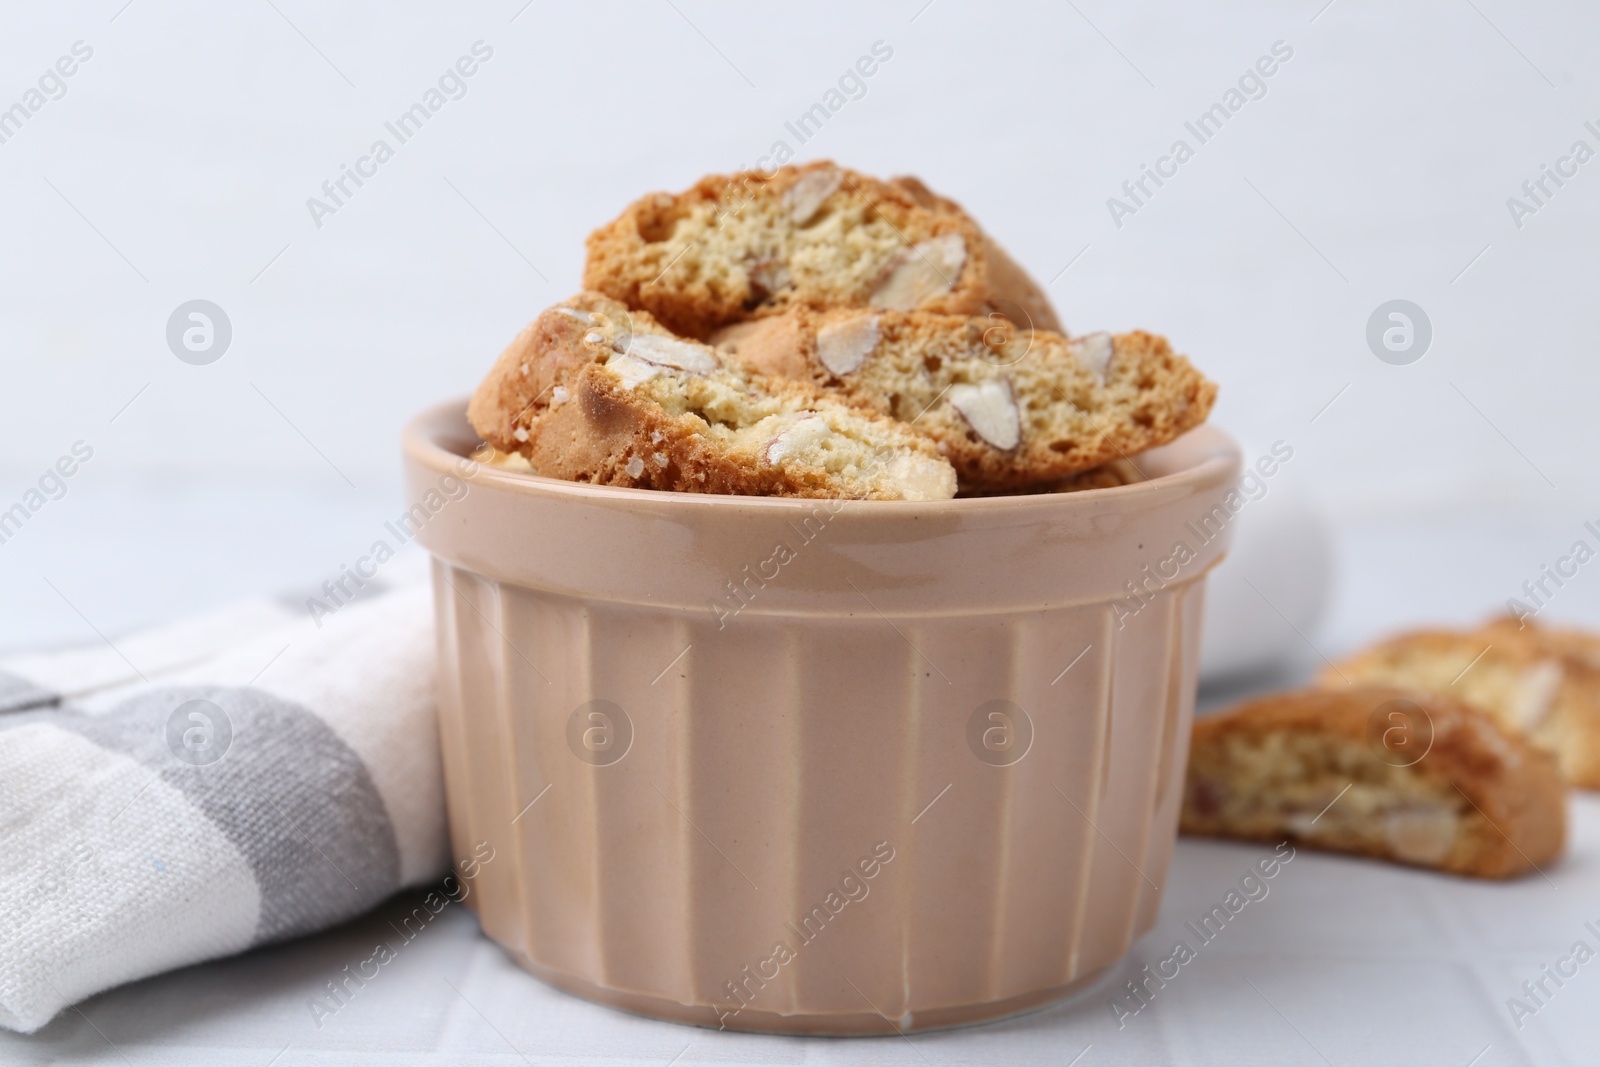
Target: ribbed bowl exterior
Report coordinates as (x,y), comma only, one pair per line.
(806,803)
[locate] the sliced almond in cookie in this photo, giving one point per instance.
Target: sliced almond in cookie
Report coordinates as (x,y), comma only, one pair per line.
(920,273)
(1316,768)
(664,351)
(1094,351)
(806,431)
(808,192)
(651,410)
(1536,695)
(1424,834)
(990,408)
(573,313)
(844,345)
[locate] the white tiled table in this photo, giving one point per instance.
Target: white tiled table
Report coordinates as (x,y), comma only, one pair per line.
(1352,961)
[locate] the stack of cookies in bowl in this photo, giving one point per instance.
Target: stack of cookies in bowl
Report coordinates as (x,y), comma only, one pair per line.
(796,567)
(819,333)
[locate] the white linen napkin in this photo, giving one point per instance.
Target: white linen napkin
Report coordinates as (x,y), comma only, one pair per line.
(197,790)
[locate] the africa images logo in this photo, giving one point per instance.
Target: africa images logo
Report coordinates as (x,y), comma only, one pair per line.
(451,85)
(199,732)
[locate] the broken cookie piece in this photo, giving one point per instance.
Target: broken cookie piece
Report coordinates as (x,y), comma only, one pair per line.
(1541,683)
(1010,407)
(741,246)
(1575,645)
(1410,777)
(594,393)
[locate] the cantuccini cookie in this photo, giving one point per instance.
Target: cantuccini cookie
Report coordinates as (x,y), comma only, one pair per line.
(594,393)
(1327,769)
(740,246)
(1540,683)
(1010,407)
(1579,646)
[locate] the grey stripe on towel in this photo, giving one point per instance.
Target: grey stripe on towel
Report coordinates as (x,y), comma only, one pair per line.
(295,800)
(19,694)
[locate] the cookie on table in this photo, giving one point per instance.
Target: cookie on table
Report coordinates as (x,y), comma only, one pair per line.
(1477,800)
(1009,407)
(593,393)
(1579,646)
(740,246)
(1534,681)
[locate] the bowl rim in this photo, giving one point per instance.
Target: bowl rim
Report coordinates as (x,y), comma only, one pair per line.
(424,435)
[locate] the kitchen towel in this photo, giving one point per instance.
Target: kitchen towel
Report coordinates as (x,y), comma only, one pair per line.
(200,789)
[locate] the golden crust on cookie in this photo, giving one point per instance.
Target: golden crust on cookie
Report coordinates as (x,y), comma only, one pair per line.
(1543,684)
(593,393)
(1009,407)
(1579,646)
(740,246)
(1477,800)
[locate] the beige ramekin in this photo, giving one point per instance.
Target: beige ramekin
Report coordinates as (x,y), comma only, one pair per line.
(816,766)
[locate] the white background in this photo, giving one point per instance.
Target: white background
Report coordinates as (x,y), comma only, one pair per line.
(179,162)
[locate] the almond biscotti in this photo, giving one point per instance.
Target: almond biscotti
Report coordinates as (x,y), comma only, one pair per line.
(1579,646)
(1534,682)
(1009,407)
(593,393)
(1414,778)
(736,247)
